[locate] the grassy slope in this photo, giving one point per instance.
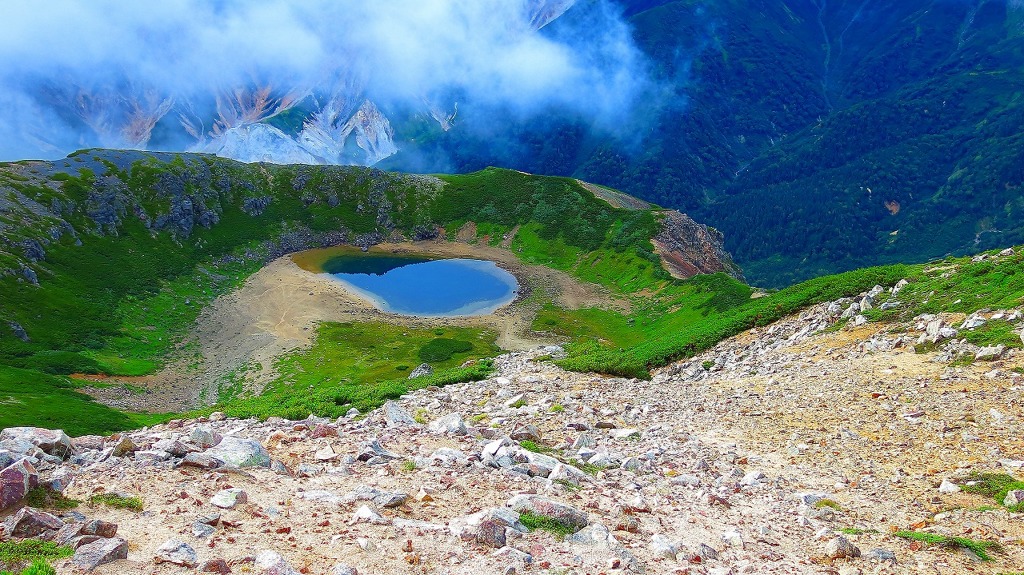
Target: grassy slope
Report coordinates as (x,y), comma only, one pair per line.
(122,301)
(155,285)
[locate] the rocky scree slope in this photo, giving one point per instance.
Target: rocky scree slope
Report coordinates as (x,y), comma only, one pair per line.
(804,446)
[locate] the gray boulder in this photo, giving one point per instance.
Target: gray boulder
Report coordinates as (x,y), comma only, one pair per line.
(396,416)
(51,442)
(240,452)
(100,552)
(421,370)
(451,423)
(177,553)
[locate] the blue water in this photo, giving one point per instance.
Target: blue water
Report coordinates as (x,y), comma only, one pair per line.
(411,286)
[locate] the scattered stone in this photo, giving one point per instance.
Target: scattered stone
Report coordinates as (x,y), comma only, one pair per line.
(948,486)
(176,552)
(51,442)
(125,447)
(421,370)
(323,430)
(100,552)
(100,528)
(202,530)
(840,548)
(491,533)
(29,522)
(396,416)
(229,498)
(451,424)
(342,569)
(271,563)
(526,433)
(215,566)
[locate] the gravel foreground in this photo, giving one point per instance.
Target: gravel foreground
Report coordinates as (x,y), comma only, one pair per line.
(792,448)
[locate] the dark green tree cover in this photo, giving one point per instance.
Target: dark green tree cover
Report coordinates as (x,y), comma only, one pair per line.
(818,135)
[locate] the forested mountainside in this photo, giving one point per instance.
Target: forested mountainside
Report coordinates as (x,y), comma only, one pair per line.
(818,136)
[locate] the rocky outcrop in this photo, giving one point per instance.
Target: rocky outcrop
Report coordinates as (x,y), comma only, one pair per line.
(688,248)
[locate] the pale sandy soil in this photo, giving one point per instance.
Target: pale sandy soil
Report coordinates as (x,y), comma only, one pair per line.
(277,310)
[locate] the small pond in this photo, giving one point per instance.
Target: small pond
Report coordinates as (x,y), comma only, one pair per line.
(425,287)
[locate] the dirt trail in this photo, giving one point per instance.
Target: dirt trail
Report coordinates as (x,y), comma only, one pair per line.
(278,308)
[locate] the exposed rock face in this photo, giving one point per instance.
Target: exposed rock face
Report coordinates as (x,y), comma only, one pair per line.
(259,143)
(688,248)
(324,139)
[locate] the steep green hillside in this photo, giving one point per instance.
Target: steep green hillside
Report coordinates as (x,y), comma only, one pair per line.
(818,136)
(109,257)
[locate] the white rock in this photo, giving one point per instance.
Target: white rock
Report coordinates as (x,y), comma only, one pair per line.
(366,515)
(228,498)
(732,538)
(625,433)
(176,552)
(271,563)
(948,486)
(451,423)
(240,452)
(661,546)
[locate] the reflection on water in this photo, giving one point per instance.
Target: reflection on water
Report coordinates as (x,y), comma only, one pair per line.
(422,287)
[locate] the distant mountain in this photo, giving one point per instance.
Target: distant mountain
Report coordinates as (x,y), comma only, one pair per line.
(817,135)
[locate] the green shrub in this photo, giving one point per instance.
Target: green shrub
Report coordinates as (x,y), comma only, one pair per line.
(533,522)
(117,501)
(442,349)
(979,548)
(43,498)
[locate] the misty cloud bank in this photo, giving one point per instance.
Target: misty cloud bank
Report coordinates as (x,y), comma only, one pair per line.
(176,73)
